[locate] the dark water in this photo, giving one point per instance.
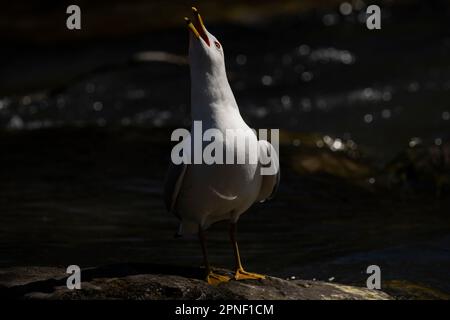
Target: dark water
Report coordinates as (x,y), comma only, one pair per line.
(86,145)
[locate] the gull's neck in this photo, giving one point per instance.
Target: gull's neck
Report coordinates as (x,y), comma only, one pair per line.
(212,99)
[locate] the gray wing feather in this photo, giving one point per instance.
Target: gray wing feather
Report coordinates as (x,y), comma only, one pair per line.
(270,183)
(173,184)
(276,186)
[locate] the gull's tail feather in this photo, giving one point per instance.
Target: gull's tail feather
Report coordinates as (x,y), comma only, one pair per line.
(186,229)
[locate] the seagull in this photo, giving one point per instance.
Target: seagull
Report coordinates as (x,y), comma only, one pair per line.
(203,194)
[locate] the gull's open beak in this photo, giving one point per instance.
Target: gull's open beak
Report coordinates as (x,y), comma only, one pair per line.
(197,28)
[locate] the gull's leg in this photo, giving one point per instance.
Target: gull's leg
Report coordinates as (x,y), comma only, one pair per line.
(240,274)
(211,277)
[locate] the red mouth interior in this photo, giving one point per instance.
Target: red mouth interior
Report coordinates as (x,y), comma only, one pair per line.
(200,30)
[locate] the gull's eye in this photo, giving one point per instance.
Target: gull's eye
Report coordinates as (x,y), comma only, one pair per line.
(217,44)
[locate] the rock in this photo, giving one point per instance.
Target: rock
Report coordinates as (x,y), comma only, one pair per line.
(149,282)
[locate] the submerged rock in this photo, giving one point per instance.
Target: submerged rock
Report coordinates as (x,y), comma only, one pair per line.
(149,282)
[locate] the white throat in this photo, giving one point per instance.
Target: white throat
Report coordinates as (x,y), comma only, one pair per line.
(211,94)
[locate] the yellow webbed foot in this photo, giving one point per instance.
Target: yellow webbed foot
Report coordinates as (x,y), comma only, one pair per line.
(214,278)
(241,274)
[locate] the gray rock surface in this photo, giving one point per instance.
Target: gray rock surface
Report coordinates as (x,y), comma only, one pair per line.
(142,282)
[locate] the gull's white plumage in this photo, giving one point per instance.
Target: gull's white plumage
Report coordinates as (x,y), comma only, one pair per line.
(211,193)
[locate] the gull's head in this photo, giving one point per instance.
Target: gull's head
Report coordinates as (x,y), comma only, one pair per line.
(205,51)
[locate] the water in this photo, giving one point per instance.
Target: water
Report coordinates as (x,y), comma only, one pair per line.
(82,164)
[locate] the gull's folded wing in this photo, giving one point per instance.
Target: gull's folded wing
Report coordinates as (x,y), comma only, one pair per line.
(172,185)
(270,183)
